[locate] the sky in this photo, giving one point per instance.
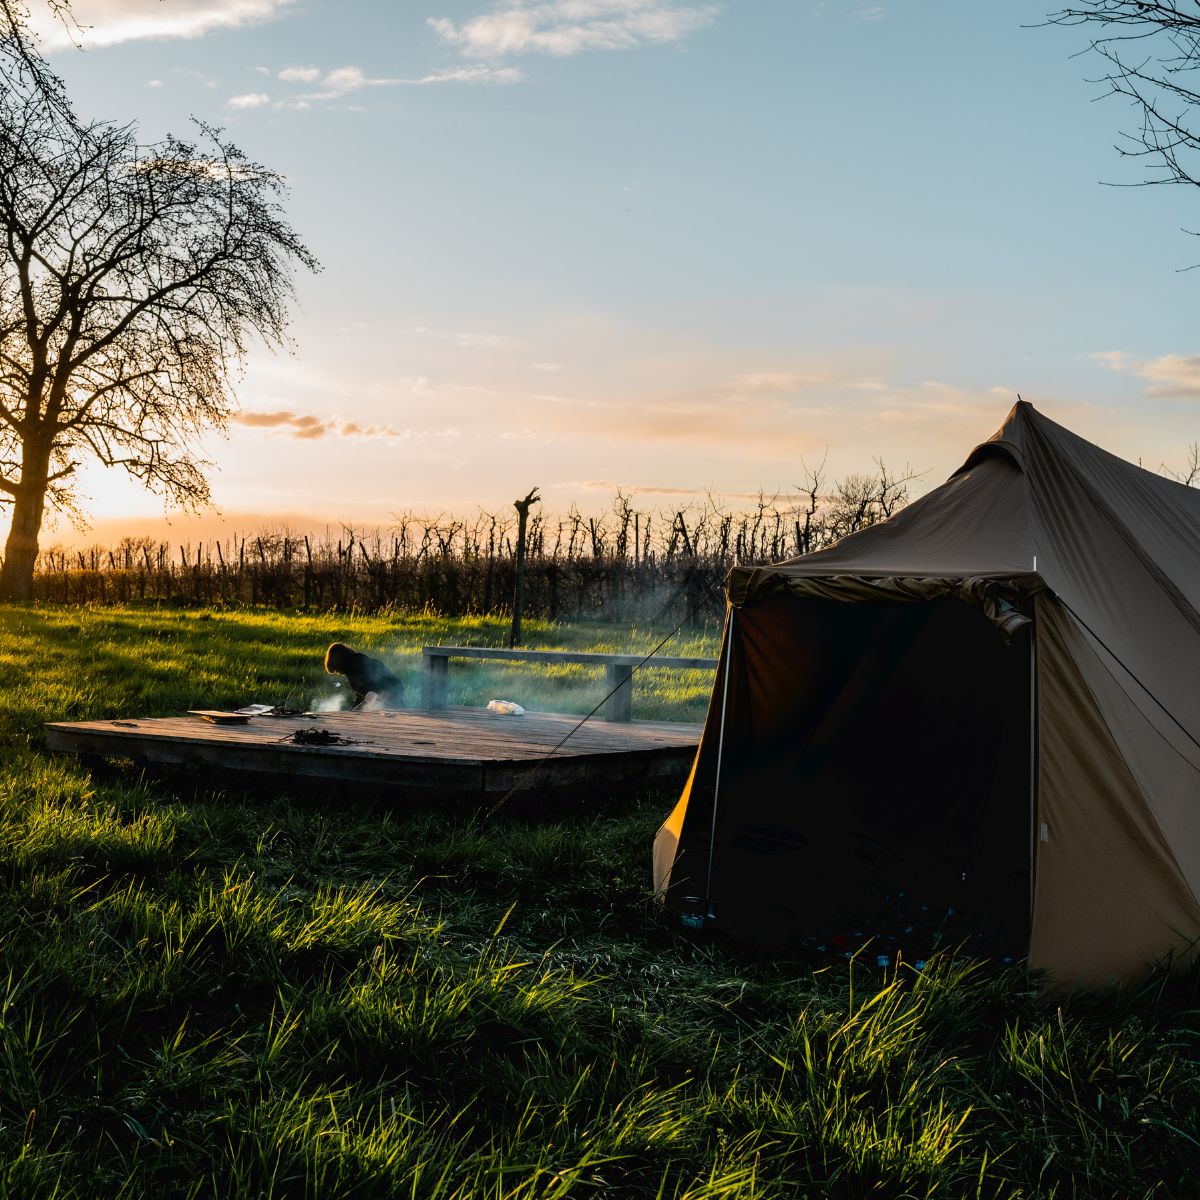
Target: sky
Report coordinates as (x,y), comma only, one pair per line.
(672,246)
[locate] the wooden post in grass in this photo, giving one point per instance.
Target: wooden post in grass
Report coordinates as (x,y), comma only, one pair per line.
(522,507)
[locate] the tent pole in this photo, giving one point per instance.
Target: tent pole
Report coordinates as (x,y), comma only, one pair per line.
(712,829)
(1033,747)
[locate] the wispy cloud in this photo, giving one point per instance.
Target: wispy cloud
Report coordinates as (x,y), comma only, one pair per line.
(463,339)
(307,428)
(109,22)
(340,82)
(772,381)
(772,415)
(567,27)
(249,100)
(303,427)
(300,74)
(643,489)
(475,73)
(1168,375)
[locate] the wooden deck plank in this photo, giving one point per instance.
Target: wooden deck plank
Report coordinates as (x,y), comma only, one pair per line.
(453,749)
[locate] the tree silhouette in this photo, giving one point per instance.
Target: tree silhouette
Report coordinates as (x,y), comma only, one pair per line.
(132,278)
(1151,52)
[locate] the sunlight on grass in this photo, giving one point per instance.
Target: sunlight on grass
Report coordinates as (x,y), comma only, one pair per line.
(216,995)
(111,662)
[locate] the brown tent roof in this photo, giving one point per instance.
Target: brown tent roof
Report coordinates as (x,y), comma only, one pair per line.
(1106,556)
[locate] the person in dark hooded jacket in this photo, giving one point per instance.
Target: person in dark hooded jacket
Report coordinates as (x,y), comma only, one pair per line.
(365,675)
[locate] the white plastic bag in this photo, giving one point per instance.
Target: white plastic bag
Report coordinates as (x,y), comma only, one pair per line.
(506,708)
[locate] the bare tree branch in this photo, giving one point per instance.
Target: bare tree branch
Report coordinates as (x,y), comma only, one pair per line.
(1151,55)
(132,281)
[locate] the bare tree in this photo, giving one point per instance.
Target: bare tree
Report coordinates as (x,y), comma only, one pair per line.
(132,278)
(522,507)
(1151,52)
(16,31)
(1190,475)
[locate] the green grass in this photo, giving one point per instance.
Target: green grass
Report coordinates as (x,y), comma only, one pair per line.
(207,994)
(77,663)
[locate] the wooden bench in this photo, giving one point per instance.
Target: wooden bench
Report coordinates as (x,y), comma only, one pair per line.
(618,671)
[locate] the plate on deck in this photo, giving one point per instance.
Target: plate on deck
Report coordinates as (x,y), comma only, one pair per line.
(219,716)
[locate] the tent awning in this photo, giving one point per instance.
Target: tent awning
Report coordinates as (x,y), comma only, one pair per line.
(998,598)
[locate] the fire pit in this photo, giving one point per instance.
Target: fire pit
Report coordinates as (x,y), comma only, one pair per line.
(320,737)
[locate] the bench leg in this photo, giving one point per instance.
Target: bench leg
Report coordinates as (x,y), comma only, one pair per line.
(434,679)
(619,706)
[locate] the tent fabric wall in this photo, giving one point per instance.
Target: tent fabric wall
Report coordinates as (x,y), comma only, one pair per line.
(1107,557)
(1110,893)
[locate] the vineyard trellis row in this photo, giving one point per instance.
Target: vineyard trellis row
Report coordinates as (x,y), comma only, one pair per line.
(636,564)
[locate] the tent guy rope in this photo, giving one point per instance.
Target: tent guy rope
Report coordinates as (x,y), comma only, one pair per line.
(537,766)
(1136,679)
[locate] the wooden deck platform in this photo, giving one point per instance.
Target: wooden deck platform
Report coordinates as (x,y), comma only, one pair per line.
(453,751)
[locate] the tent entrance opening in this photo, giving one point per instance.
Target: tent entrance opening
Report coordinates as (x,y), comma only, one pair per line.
(876,779)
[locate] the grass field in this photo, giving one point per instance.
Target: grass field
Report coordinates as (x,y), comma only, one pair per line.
(289,996)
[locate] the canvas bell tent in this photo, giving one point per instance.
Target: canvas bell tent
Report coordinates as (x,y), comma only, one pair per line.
(977,720)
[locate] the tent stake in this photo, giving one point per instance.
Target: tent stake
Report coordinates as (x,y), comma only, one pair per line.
(712,831)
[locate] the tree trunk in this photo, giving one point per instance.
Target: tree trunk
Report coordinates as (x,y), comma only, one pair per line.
(514,635)
(522,507)
(21,549)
